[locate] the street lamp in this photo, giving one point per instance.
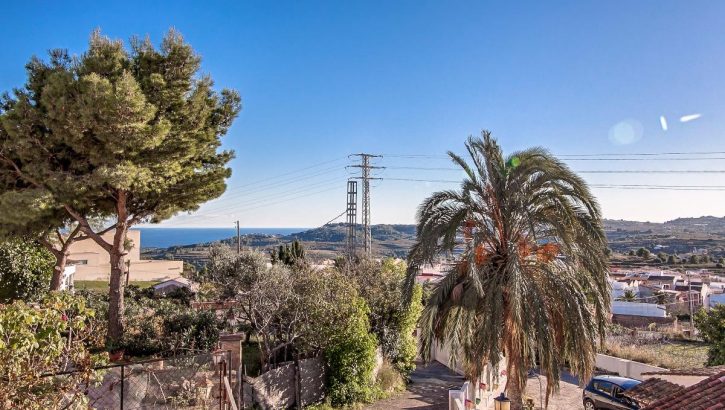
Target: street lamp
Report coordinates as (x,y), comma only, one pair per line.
(502,402)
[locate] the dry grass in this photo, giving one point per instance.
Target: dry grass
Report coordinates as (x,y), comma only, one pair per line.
(667,354)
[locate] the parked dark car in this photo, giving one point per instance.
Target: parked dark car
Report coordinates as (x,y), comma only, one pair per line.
(605,392)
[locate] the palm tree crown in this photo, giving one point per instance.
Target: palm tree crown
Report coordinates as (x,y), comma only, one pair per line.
(531,284)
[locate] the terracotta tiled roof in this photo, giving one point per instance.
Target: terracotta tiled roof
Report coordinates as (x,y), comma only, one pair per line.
(651,390)
(697,371)
(709,394)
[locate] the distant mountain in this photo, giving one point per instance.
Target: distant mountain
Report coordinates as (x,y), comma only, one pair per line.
(338,233)
(680,236)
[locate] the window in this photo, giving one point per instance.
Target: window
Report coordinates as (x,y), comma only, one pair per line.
(603,387)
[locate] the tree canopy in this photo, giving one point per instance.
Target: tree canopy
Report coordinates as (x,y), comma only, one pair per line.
(531,284)
(132,134)
(711,325)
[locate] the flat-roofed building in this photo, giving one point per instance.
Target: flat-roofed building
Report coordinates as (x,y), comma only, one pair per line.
(93,262)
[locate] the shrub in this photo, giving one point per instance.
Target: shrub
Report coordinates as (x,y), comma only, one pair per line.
(389,380)
(407,343)
(35,341)
(711,325)
(162,326)
(25,271)
(351,359)
(191,330)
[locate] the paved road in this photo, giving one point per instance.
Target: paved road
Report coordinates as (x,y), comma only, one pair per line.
(428,390)
(429,387)
(569,396)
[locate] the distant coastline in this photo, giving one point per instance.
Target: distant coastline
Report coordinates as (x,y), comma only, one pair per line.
(165,237)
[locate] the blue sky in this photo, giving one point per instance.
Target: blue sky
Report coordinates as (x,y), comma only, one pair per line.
(321,80)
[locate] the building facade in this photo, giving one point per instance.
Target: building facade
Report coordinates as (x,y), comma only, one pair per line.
(93,262)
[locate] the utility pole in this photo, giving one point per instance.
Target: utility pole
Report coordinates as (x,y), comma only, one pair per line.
(365,169)
(351,217)
(689,301)
(239,240)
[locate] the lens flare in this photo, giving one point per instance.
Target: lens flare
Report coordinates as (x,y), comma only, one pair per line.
(690,117)
(663,122)
(626,132)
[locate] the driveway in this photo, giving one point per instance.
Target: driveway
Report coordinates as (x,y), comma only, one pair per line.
(427,390)
(569,396)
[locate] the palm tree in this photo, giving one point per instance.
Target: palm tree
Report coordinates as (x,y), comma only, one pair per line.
(628,296)
(531,284)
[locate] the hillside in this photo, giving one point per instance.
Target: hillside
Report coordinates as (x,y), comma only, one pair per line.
(680,236)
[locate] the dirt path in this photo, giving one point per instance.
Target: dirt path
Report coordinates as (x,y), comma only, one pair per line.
(428,390)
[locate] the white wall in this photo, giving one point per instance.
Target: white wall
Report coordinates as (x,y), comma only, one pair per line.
(624,367)
(494,380)
(638,309)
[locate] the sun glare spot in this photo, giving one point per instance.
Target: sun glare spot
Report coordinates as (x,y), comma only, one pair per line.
(690,117)
(626,132)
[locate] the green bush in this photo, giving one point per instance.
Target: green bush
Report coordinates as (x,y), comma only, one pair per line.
(25,271)
(711,325)
(389,380)
(49,338)
(407,342)
(165,326)
(191,330)
(351,359)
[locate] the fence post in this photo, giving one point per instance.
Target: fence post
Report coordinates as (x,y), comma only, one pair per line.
(221,388)
(298,395)
(241,389)
(123,375)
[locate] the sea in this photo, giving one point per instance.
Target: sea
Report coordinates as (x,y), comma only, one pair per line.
(166,237)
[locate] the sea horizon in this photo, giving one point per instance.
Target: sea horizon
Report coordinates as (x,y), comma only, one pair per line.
(165,237)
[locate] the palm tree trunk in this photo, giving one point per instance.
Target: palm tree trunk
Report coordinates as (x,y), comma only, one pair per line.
(515,391)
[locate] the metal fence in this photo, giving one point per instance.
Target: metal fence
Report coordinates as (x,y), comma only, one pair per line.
(200,381)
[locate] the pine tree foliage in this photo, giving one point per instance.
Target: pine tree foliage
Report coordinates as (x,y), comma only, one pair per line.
(128,133)
(531,285)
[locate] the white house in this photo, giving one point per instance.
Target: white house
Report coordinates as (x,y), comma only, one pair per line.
(638,309)
(66,281)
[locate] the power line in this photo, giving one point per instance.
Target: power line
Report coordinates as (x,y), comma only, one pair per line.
(284,182)
(290,172)
(235,210)
(613,186)
(653,171)
(626,154)
(301,188)
(621,171)
(333,219)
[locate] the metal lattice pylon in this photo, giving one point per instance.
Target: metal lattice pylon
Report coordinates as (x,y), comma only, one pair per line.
(365,169)
(351,217)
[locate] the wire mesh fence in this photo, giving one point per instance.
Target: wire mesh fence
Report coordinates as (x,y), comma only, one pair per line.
(200,381)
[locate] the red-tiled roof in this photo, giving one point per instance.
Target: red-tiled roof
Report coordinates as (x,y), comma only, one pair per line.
(709,394)
(651,390)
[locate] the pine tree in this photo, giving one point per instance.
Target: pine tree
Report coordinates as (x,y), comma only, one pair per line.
(132,134)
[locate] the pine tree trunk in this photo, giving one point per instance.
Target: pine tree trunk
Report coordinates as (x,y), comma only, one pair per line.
(115,296)
(61,259)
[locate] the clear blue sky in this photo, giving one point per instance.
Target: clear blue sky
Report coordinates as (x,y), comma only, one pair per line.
(321,80)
